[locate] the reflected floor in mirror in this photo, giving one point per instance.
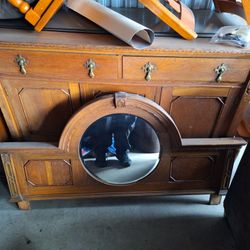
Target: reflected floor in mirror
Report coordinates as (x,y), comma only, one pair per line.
(119,149)
(141,166)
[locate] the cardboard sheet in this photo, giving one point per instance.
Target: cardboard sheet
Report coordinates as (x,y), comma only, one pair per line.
(129,31)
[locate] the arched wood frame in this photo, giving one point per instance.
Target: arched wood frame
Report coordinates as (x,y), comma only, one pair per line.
(121,103)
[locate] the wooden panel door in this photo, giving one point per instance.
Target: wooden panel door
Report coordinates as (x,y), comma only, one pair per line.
(42,108)
(201,111)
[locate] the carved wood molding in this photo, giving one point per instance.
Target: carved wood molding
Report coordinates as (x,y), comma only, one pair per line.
(10,176)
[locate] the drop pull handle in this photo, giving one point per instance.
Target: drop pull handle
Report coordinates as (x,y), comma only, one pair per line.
(90,65)
(21,61)
(220,70)
(148,69)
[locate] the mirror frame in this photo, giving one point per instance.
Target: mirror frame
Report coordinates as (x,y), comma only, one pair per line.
(121,103)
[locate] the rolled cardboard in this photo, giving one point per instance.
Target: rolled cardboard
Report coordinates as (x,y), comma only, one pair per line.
(129,31)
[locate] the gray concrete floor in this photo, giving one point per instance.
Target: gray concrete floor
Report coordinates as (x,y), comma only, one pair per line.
(167,223)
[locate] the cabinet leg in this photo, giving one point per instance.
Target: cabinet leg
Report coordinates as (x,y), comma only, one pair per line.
(215,199)
(23,205)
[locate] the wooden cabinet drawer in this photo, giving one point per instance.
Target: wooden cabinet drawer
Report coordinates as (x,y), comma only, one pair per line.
(185,69)
(59,65)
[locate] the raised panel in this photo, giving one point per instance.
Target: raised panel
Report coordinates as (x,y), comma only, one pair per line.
(42,108)
(186,169)
(48,173)
(201,111)
(196,116)
(46,110)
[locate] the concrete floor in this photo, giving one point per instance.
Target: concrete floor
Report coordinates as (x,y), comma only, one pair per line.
(167,223)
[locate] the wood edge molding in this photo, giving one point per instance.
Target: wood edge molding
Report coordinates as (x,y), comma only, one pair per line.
(68,196)
(245,98)
(221,143)
(11,176)
(226,142)
(73,42)
(190,53)
(24,146)
(8,114)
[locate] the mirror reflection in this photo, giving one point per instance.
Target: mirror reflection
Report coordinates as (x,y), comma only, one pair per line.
(119,149)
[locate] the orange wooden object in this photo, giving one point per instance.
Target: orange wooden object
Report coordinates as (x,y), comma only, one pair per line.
(21,5)
(183,25)
(52,9)
(41,14)
(246,7)
(34,15)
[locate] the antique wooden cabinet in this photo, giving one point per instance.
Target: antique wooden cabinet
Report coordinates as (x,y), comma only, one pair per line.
(192,93)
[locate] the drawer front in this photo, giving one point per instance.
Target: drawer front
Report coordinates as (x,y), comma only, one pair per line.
(185,69)
(60,65)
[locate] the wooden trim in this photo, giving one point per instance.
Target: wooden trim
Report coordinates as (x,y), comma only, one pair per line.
(75,95)
(226,115)
(11,176)
(4,132)
(200,91)
(17,40)
(242,105)
(210,142)
(9,115)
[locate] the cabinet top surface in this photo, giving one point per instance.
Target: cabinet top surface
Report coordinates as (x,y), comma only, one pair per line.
(100,43)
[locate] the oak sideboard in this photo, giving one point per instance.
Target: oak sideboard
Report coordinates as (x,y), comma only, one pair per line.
(54,85)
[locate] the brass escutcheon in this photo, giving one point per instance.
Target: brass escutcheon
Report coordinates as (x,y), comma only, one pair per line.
(90,65)
(220,70)
(21,61)
(148,69)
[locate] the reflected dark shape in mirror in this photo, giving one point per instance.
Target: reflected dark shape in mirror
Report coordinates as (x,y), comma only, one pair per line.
(119,149)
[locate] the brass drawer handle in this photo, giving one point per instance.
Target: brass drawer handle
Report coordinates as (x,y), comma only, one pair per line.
(21,61)
(148,69)
(90,65)
(220,70)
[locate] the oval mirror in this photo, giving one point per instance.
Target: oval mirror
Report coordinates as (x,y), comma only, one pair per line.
(119,149)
